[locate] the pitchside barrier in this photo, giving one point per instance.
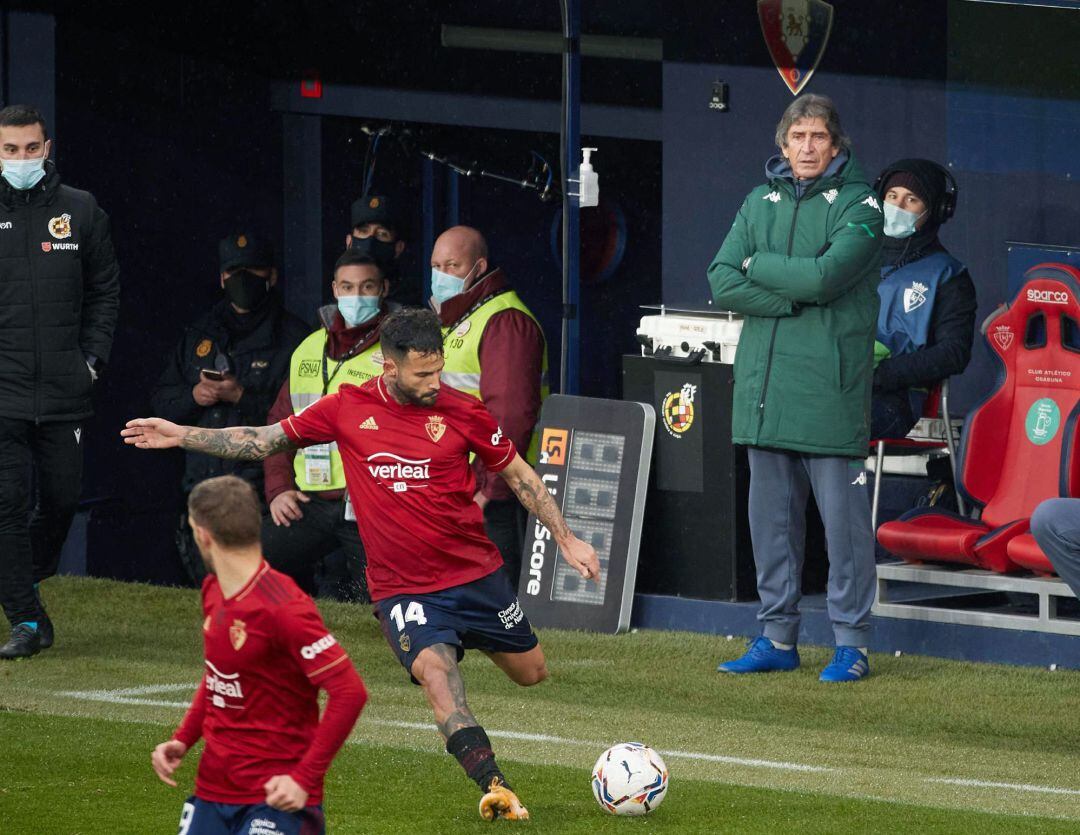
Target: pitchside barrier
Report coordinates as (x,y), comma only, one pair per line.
(594,460)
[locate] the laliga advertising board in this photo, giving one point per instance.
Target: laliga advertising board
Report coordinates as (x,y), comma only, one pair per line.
(594,459)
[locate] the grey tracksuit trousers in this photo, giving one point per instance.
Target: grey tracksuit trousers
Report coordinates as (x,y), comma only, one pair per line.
(780,484)
(1055,524)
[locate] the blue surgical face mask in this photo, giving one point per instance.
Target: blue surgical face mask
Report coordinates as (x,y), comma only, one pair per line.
(899,223)
(22,174)
(445,286)
(356,310)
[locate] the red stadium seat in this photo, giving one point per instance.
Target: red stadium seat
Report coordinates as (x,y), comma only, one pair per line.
(1018,445)
(1025,551)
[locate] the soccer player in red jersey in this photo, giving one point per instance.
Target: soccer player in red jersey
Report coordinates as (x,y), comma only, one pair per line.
(433,574)
(267,655)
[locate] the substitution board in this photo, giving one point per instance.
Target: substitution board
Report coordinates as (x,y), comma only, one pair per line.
(594,460)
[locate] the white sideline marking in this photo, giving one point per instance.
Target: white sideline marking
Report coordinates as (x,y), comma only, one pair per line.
(686,755)
(1020,787)
(130,691)
(122,700)
(129,696)
(719,758)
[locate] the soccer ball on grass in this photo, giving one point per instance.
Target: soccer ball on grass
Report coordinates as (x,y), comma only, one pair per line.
(629,779)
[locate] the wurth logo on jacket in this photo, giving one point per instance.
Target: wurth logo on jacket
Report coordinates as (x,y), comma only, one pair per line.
(59,298)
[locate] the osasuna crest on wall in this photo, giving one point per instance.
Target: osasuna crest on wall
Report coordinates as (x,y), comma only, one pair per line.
(796,32)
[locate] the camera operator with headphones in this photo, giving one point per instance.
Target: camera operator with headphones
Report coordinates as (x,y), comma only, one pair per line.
(926,324)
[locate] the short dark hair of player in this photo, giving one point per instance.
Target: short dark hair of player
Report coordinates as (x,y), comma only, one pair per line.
(19,115)
(411,329)
(228,507)
(354,259)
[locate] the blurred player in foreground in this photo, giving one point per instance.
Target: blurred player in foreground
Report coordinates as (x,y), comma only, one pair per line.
(432,572)
(267,655)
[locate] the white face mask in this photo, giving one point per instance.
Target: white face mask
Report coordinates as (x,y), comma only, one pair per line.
(22,174)
(899,223)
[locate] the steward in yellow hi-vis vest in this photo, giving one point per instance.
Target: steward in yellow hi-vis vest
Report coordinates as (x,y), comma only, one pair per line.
(313,374)
(495,350)
(464,367)
(310,513)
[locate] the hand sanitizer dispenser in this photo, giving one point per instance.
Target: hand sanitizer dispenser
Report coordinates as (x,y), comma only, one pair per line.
(589,185)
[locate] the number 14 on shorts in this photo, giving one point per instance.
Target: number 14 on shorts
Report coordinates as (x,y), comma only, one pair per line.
(414,613)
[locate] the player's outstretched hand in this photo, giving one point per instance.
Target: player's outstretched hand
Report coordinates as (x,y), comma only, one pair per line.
(152,433)
(284,793)
(166,759)
(582,557)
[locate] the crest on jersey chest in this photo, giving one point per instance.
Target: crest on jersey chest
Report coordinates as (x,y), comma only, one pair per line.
(237,634)
(435,427)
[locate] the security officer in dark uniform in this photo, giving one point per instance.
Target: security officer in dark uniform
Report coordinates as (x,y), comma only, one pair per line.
(379,233)
(59,300)
(229,366)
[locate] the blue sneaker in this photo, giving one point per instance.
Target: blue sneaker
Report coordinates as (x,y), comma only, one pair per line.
(848,664)
(762,657)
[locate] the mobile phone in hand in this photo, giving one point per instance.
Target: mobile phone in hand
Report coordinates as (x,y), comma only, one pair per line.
(211,374)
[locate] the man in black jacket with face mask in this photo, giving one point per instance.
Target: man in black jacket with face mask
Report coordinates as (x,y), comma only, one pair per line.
(229,365)
(59,298)
(378,233)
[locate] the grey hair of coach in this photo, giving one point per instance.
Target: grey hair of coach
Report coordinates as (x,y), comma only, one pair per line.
(812,106)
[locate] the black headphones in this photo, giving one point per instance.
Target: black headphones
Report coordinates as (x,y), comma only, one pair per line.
(946,207)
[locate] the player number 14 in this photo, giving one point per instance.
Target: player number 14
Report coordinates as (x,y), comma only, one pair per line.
(414,613)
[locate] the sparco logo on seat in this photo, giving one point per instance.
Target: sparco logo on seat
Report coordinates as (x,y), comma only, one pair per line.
(1048,296)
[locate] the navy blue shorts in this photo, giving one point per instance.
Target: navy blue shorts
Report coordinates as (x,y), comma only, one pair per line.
(202,817)
(483,614)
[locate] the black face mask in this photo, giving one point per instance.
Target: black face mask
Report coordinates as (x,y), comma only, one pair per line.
(381,252)
(247,290)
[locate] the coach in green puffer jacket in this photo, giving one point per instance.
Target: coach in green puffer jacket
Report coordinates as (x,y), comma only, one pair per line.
(801,262)
(804,365)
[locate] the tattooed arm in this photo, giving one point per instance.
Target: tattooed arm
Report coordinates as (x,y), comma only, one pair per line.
(249,443)
(535,497)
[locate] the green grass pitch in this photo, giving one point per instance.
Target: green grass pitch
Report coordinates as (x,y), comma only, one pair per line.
(923,745)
